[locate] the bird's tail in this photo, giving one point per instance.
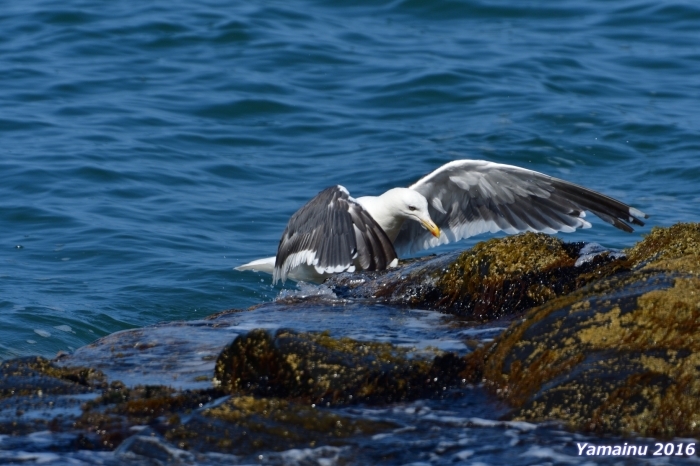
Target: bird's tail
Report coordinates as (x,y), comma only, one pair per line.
(266,265)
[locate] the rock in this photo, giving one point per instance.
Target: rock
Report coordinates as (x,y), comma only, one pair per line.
(207,421)
(120,412)
(34,384)
(149,448)
(611,347)
(496,278)
(321,370)
(619,356)
(243,425)
(39,376)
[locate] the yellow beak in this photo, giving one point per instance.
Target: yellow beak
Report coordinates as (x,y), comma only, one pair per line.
(431,227)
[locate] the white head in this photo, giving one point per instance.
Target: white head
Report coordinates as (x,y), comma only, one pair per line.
(411,205)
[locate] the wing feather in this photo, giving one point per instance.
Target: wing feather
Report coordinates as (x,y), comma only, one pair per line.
(332,233)
(469,197)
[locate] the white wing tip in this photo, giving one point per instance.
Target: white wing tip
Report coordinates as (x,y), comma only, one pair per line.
(636,213)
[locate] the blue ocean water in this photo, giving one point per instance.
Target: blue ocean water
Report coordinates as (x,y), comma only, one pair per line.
(147,148)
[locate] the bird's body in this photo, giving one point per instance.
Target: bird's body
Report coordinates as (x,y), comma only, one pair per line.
(335,233)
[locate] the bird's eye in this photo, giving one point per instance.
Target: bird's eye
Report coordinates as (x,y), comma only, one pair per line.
(412,207)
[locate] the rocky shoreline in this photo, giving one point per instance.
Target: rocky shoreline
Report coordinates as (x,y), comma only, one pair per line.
(605,344)
(618,356)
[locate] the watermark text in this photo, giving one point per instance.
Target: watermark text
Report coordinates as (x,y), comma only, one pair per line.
(659,449)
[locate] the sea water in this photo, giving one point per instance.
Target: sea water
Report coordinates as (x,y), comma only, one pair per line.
(147,148)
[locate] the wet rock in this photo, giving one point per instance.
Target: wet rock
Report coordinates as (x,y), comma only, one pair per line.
(122,412)
(318,369)
(611,347)
(183,355)
(149,448)
(310,370)
(177,354)
(510,275)
(34,385)
(619,356)
(165,425)
(496,278)
(676,249)
(39,376)
(243,425)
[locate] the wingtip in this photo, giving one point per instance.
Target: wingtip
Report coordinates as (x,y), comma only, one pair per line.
(637,213)
(635,216)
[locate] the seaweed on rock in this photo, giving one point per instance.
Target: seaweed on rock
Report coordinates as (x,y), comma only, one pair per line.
(496,278)
(316,368)
(618,356)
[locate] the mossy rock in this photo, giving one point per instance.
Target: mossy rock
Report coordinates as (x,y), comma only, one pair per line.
(239,425)
(34,384)
(39,376)
(509,275)
(243,425)
(676,248)
(322,370)
(108,420)
(619,356)
(496,278)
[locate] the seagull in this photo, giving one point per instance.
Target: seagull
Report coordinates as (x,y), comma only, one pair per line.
(336,233)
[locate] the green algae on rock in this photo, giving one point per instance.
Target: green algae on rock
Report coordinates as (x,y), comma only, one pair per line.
(620,356)
(326,371)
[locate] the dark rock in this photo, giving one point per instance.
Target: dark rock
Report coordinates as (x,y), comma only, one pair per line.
(149,448)
(38,376)
(108,420)
(34,384)
(496,278)
(611,347)
(620,356)
(243,425)
(318,369)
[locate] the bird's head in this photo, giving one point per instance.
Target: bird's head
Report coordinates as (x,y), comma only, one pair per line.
(412,205)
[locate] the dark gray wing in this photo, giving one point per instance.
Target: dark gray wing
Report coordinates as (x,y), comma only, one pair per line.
(333,234)
(468,197)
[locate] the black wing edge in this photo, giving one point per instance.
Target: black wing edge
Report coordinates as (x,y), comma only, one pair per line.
(337,231)
(612,211)
(374,248)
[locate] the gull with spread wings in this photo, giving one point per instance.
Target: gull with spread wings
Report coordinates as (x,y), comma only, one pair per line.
(335,232)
